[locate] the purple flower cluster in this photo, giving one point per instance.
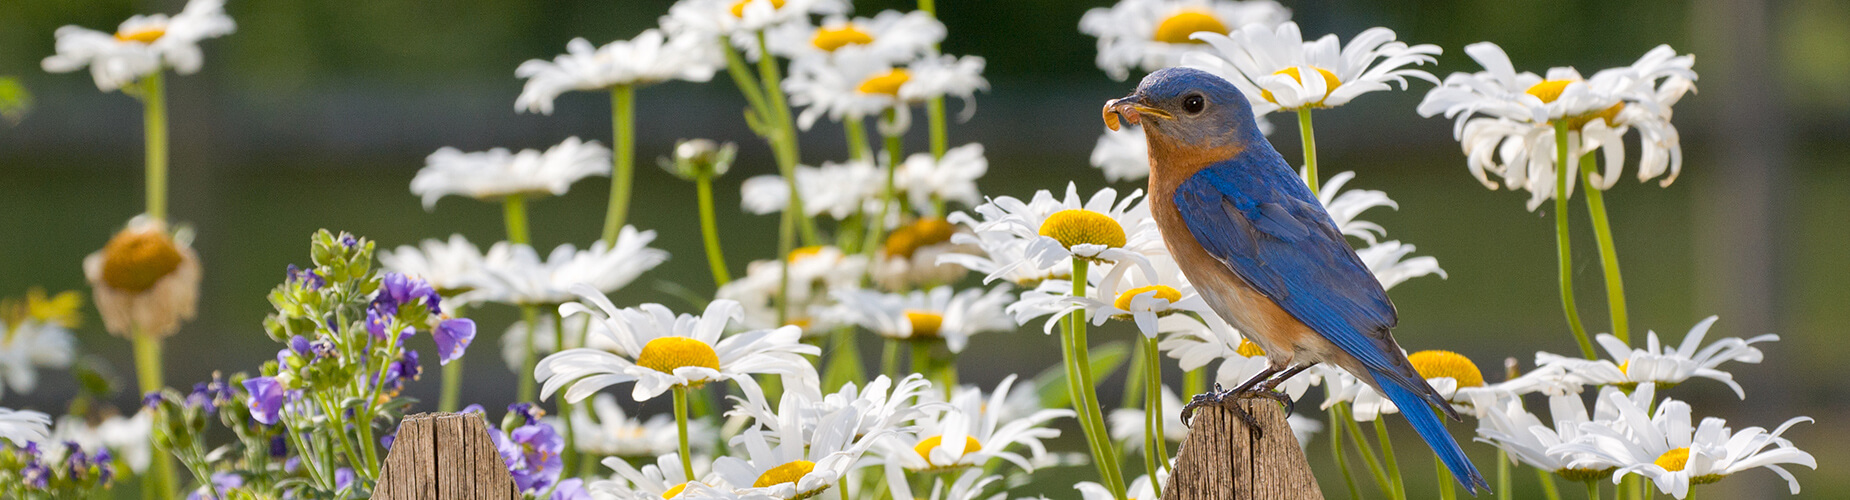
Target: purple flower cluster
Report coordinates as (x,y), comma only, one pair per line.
(312,279)
(209,396)
(78,469)
(532,451)
(396,290)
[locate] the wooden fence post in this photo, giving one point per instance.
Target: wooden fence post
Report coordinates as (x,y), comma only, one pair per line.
(1223,460)
(444,456)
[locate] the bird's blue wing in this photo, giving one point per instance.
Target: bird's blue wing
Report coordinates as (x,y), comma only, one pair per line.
(1264,225)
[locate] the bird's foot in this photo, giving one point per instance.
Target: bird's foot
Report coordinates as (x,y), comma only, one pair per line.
(1220,397)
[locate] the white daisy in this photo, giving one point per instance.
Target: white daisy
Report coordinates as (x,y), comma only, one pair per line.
(496,173)
(603,428)
(452,266)
(36,335)
(999,255)
(815,273)
(966,435)
(862,86)
(939,314)
(658,350)
(910,258)
(665,478)
(142,45)
(1140,488)
(1195,345)
(713,18)
(1665,448)
(1454,377)
(649,58)
(783,459)
(1266,63)
(1662,365)
(928,182)
(1529,440)
(514,274)
(837,189)
(1102,228)
(891,35)
(1120,294)
(1504,119)
(883,406)
(1149,35)
(1127,424)
(126,438)
(24,426)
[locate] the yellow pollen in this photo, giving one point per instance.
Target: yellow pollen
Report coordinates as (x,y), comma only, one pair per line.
(971,445)
(922,233)
(60,309)
(738,8)
(1178,27)
(135,260)
(1435,364)
(1329,83)
(674,491)
(1249,349)
(1625,367)
(1075,226)
(1162,292)
(924,323)
(787,473)
(831,39)
(885,83)
(1548,90)
(1673,460)
(665,354)
(803,252)
(144,35)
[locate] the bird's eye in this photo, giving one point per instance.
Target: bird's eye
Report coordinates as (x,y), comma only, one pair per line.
(1193,104)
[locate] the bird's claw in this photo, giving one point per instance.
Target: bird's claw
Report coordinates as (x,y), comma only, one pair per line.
(1220,397)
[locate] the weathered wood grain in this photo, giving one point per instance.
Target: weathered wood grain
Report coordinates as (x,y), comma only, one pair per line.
(1223,460)
(444,456)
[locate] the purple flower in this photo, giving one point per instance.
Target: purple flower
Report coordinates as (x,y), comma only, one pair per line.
(266,399)
(105,466)
(570,489)
(77,462)
(532,455)
(453,337)
(397,290)
(222,481)
(343,477)
(37,475)
(348,240)
(406,368)
(279,447)
(527,411)
(300,345)
(474,408)
(152,400)
(387,440)
(309,277)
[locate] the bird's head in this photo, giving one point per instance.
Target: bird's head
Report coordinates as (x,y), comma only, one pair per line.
(1189,112)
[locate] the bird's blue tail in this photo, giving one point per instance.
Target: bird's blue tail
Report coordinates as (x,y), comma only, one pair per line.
(1420,414)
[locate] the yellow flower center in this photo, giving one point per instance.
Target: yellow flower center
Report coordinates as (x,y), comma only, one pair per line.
(971,445)
(1435,364)
(1550,90)
(1162,292)
(1249,349)
(787,473)
(1673,460)
(665,354)
(134,260)
(919,234)
(144,35)
(831,39)
(924,323)
(60,309)
(673,491)
(738,8)
(1178,27)
(1626,367)
(885,83)
(1083,227)
(1329,83)
(805,252)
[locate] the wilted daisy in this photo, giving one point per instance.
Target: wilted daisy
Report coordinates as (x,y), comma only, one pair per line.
(863,86)
(145,280)
(1267,63)
(663,479)
(603,428)
(968,434)
(34,334)
(451,266)
(651,57)
(931,182)
(783,461)
(24,426)
(126,438)
(891,35)
(941,313)
(142,45)
(910,257)
(836,189)
(514,274)
(1660,364)
(1665,448)
(1149,35)
(497,173)
(1505,120)
(714,18)
(1102,228)
(815,273)
(659,350)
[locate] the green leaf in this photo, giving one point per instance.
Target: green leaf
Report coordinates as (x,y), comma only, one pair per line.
(1051,383)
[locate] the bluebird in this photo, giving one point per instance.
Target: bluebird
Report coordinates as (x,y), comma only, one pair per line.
(1262,251)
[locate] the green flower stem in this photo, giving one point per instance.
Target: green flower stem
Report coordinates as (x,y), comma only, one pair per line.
(1387,458)
(1608,254)
(844,360)
(1080,385)
(786,242)
(1565,251)
(530,315)
(1336,453)
(680,422)
(1310,148)
(946,375)
(709,229)
(161,483)
(1503,475)
(1593,490)
(1133,379)
(154,125)
(889,359)
(622,173)
(857,137)
(452,386)
(742,77)
(1548,485)
(514,212)
(889,195)
(1195,381)
(1367,450)
(784,143)
(1445,478)
(929,6)
(921,361)
(568,457)
(940,139)
(1157,413)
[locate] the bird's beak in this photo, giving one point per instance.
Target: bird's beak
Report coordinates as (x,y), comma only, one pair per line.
(1129,109)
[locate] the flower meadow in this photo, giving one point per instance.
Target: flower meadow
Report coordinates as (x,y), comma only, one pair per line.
(885,250)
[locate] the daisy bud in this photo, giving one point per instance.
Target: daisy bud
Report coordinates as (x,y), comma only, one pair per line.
(145,281)
(696,157)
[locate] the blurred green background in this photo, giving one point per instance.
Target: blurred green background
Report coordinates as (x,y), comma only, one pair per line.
(316,114)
